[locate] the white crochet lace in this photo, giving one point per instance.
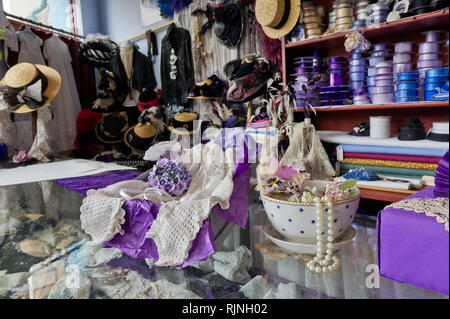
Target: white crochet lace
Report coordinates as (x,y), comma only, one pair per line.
(102,214)
(179,221)
(433,207)
(307,152)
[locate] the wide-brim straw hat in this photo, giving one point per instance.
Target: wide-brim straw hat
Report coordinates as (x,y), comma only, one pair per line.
(23,74)
(277,17)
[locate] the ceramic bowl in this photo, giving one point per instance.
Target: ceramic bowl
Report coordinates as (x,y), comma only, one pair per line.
(299,220)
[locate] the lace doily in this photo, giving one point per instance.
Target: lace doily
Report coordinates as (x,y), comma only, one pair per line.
(433,207)
(102,214)
(273,252)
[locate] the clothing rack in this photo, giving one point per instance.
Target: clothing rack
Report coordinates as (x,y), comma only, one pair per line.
(152,30)
(42,26)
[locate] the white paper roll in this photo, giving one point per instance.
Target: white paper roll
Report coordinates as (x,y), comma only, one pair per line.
(380,126)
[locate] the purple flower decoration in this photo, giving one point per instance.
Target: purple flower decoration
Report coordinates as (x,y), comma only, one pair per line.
(170,176)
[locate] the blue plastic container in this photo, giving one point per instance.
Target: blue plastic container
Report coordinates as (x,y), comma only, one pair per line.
(407,93)
(406,99)
(437,72)
(407,85)
(433,85)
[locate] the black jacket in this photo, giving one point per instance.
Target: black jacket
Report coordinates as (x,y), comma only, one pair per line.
(143,74)
(176,91)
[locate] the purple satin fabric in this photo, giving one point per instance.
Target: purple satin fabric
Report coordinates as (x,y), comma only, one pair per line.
(414,248)
(139,217)
(83,184)
(441,177)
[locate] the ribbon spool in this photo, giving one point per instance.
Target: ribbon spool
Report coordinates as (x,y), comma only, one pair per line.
(380,126)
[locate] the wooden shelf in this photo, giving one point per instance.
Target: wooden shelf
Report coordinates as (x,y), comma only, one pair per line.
(410,105)
(386,195)
(437,19)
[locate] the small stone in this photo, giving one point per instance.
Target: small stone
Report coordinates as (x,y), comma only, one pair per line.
(35,248)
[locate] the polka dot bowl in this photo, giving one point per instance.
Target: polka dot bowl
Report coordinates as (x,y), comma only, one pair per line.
(298,221)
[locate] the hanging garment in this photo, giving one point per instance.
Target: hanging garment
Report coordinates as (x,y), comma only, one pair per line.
(3,65)
(66,104)
(10,35)
(30,47)
(141,75)
(177,68)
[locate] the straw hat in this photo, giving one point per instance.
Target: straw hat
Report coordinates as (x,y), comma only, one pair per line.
(27,87)
(185,122)
(141,136)
(277,17)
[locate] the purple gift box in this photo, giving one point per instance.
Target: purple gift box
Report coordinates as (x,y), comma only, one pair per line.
(414,248)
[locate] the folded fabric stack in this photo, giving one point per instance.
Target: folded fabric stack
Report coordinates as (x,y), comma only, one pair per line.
(386,157)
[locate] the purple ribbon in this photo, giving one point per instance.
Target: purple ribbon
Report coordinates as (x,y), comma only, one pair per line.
(441,177)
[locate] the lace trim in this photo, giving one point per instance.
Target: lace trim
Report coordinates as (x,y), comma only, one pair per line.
(433,207)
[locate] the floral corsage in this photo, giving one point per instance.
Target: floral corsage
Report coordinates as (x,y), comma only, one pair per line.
(170,176)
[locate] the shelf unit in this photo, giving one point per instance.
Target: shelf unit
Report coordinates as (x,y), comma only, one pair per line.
(344,118)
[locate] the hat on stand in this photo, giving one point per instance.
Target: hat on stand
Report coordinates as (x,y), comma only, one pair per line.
(108,99)
(112,127)
(211,88)
(277,17)
(183,123)
(27,87)
(97,50)
(149,99)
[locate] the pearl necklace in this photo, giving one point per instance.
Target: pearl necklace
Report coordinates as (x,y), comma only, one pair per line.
(321,263)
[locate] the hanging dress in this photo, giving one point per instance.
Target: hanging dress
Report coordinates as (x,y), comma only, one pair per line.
(31,52)
(66,104)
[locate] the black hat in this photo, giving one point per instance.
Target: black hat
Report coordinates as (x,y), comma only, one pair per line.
(97,50)
(212,87)
(413,132)
(112,127)
(183,123)
(108,99)
(229,24)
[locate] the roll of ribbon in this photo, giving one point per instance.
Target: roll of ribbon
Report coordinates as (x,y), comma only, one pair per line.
(358,62)
(337,66)
(433,35)
(429,64)
(435,79)
(403,67)
(336,59)
(406,99)
(407,93)
(384,98)
(383,89)
(380,126)
(428,56)
(437,72)
(385,83)
(402,58)
(357,76)
(312,25)
(336,79)
(429,47)
(371,81)
(313,19)
(403,47)
(355,85)
(410,85)
(430,86)
(384,70)
(346,11)
(371,71)
(357,68)
(373,61)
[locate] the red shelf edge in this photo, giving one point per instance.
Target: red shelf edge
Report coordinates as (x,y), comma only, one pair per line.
(385,25)
(382,106)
